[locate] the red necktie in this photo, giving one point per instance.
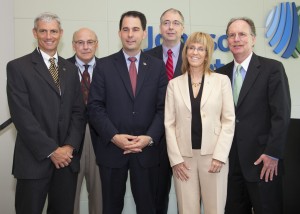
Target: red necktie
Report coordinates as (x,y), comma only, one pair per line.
(169,65)
(132,73)
(85,83)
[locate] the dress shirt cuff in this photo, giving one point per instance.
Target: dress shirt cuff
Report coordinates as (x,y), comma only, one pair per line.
(272,157)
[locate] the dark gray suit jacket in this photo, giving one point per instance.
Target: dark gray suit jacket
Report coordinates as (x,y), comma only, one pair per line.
(262,115)
(44,119)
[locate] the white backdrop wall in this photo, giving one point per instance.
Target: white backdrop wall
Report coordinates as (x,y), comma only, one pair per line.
(7,136)
(103,17)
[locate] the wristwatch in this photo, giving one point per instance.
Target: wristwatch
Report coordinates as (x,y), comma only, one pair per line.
(150,142)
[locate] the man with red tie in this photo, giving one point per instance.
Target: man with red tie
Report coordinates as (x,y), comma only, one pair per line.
(171,29)
(126,108)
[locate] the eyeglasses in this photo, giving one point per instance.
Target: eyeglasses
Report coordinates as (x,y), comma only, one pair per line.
(193,48)
(89,43)
(167,23)
(240,35)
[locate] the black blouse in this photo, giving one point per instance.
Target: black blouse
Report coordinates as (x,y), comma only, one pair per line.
(196,131)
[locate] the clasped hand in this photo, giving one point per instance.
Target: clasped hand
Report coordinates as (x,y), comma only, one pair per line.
(130,143)
(62,156)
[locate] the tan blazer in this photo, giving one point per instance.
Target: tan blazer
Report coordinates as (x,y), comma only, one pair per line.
(217,113)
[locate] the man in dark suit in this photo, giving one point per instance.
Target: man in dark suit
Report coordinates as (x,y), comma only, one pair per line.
(85,44)
(126,108)
(171,30)
(262,107)
(49,115)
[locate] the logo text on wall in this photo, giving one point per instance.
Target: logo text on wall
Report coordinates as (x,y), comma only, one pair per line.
(219,43)
(282,30)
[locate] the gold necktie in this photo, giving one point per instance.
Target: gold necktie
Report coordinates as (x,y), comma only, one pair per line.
(54,72)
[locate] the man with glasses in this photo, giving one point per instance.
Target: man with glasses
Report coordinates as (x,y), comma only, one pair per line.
(85,44)
(171,29)
(46,108)
(262,106)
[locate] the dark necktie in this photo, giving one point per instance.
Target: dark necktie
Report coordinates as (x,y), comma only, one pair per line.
(85,83)
(54,72)
(169,65)
(132,73)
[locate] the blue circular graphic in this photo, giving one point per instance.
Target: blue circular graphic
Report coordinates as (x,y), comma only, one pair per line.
(283,30)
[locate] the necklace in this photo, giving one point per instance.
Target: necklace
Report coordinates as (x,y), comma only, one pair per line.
(196,84)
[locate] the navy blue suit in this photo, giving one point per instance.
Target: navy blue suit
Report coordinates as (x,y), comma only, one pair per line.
(165,170)
(112,110)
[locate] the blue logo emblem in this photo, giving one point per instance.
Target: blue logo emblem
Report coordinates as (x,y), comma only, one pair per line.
(283,30)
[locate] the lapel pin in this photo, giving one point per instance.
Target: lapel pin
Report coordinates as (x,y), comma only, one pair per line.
(144,63)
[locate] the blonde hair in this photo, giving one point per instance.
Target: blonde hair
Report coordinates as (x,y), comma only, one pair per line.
(208,43)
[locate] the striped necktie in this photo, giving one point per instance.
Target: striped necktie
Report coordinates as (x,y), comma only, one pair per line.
(169,65)
(54,72)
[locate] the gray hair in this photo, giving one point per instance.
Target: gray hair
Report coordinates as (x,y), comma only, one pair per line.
(247,20)
(173,11)
(47,17)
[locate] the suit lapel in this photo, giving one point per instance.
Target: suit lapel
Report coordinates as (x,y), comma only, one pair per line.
(159,52)
(62,75)
(177,71)
(252,74)
(229,70)
(42,69)
(122,69)
(207,88)
(142,72)
(184,90)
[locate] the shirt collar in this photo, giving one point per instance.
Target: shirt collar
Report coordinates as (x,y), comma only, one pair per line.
(81,64)
(136,56)
(46,57)
(245,63)
(174,49)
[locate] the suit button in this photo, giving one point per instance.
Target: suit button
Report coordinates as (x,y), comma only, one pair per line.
(237,121)
(133,113)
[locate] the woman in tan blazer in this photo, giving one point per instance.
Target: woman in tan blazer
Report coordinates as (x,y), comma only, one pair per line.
(199,123)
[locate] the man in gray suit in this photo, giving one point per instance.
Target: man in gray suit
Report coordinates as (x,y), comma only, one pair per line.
(171,29)
(46,106)
(85,44)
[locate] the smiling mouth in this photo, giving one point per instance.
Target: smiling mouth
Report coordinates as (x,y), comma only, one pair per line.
(237,46)
(49,43)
